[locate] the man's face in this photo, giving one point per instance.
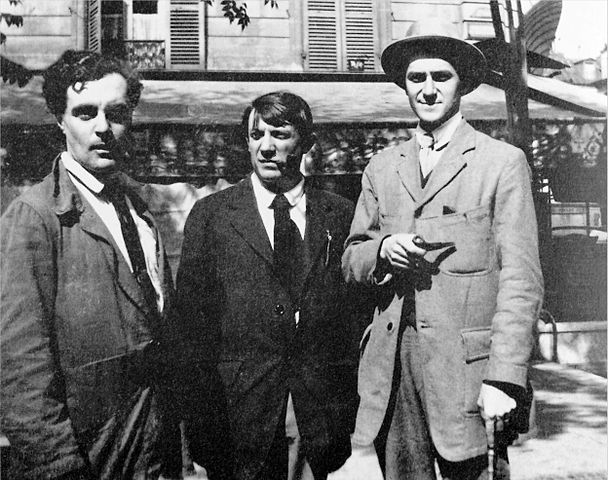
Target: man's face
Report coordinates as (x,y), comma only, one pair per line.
(95,122)
(433,89)
(275,153)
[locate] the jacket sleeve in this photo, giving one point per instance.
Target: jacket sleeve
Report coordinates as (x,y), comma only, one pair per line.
(361,262)
(34,414)
(520,288)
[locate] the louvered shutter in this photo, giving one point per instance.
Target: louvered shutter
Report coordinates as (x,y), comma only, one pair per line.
(323,39)
(359,33)
(94,25)
(185,34)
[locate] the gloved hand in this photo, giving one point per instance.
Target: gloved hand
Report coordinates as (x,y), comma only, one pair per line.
(361,465)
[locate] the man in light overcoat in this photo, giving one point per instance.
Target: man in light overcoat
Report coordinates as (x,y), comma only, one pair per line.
(445,230)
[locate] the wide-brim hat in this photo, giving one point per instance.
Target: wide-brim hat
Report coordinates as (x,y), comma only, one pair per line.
(436,39)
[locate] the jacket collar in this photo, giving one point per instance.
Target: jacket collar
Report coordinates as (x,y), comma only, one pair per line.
(245,219)
(67,201)
(452,162)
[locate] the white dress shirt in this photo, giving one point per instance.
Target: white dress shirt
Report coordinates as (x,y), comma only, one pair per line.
(430,156)
(296,198)
(89,188)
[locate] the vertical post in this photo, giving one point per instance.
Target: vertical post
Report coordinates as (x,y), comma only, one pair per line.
(516,91)
(518,120)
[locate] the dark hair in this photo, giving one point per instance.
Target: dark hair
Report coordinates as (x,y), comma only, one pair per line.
(81,66)
(280,108)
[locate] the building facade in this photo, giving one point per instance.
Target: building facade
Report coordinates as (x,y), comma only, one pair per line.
(296,35)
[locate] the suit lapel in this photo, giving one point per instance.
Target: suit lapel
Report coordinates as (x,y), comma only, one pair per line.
(409,170)
(318,228)
(452,162)
(243,215)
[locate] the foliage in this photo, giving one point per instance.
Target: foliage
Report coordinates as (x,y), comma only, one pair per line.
(10,19)
(235,11)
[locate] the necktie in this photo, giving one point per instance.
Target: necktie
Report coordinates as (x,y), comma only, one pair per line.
(131,237)
(288,248)
(427,143)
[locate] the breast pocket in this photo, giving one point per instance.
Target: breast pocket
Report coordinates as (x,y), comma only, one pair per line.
(471,233)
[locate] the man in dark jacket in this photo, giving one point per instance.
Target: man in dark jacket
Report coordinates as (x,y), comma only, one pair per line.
(263,304)
(84,287)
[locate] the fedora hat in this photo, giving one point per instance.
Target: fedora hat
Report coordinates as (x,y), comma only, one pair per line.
(435,39)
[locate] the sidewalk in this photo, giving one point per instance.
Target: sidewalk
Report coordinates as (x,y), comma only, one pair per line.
(570,438)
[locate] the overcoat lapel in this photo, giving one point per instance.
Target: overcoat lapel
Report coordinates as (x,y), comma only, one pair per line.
(452,162)
(409,170)
(68,201)
(243,215)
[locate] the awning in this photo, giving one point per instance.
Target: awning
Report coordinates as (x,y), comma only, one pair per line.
(222,102)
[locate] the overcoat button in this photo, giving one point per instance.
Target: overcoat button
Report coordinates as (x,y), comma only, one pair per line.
(389,327)
(279,309)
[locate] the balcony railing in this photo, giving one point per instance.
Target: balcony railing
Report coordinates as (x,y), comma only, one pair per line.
(146,54)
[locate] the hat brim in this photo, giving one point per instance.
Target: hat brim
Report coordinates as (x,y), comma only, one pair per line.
(468,61)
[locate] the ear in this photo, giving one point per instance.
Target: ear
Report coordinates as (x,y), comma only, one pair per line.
(59,119)
(308,142)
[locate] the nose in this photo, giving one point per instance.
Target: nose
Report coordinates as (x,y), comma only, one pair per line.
(429,89)
(102,126)
(267,148)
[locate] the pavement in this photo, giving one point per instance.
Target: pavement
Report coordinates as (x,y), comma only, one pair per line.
(568,441)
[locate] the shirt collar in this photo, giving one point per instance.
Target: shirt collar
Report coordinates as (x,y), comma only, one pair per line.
(442,134)
(81,174)
(264,197)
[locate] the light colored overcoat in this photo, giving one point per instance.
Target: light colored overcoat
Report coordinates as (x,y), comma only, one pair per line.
(475,318)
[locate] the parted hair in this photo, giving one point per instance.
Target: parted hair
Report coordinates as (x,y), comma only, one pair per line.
(76,67)
(280,108)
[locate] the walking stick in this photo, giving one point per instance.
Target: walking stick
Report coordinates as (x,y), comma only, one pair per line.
(490,424)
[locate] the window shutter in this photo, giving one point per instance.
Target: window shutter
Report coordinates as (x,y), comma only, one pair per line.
(184,34)
(94,25)
(359,33)
(323,40)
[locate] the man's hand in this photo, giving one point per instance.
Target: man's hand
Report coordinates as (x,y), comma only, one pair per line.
(495,405)
(401,252)
(361,465)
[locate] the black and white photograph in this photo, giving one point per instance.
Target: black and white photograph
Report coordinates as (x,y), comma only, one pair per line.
(303,239)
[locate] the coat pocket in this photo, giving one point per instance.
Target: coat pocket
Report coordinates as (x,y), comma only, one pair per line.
(471,233)
(476,343)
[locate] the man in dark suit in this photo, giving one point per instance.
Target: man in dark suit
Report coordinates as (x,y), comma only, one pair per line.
(85,285)
(261,301)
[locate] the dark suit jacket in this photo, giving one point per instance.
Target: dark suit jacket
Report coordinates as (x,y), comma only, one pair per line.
(77,377)
(238,319)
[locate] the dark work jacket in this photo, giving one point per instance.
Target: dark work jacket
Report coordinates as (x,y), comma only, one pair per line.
(76,341)
(238,318)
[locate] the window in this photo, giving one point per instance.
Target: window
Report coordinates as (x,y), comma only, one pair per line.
(186,40)
(341,35)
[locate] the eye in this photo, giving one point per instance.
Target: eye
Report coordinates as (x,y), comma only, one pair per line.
(441,76)
(416,77)
(85,112)
(281,134)
(255,134)
(117,114)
